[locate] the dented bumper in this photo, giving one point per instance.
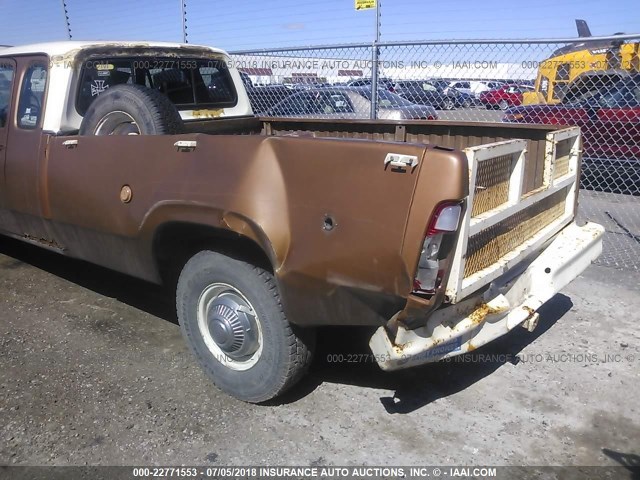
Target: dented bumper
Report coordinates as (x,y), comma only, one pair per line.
(511,300)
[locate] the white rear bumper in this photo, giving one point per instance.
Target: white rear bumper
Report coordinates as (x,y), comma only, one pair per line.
(510,300)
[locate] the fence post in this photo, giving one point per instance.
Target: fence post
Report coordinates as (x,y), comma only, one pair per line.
(183,10)
(375,53)
(65,10)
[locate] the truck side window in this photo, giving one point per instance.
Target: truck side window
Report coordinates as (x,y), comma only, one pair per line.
(32,96)
(6,81)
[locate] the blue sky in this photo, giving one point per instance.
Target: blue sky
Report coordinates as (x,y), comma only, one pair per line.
(244,24)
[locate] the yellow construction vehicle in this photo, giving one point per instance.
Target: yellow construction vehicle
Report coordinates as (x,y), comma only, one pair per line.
(582,66)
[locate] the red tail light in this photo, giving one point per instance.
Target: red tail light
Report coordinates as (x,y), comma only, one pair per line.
(445,218)
(441,229)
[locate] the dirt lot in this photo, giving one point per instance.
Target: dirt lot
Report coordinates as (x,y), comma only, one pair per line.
(93,370)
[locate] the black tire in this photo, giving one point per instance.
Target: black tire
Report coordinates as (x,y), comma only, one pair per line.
(286,350)
(503,105)
(131,109)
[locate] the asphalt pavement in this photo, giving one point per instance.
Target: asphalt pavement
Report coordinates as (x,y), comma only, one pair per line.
(93,370)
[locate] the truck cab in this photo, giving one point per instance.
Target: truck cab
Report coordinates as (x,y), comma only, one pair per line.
(46,90)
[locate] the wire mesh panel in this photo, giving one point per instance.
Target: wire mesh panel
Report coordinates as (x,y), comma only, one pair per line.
(488,246)
(492,184)
(594,84)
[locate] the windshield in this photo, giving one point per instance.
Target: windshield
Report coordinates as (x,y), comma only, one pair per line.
(387,99)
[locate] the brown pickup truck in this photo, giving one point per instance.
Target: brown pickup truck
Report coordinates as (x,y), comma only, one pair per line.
(145,158)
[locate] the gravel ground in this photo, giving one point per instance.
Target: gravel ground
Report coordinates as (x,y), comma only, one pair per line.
(93,370)
(620,216)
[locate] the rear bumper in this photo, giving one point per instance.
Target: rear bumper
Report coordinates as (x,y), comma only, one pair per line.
(510,300)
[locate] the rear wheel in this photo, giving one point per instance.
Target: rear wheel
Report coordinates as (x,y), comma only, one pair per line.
(232,318)
(503,104)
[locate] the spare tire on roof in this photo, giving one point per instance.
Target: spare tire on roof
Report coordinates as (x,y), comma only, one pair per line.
(131,110)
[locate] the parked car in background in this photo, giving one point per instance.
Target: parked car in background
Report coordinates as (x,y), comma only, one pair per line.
(385,83)
(610,123)
(432,92)
(473,87)
(504,97)
(462,86)
(262,98)
(528,83)
(350,102)
(478,87)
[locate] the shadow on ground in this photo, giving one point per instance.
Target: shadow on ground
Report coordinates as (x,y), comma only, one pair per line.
(629,460)
(342,355)
(137,293)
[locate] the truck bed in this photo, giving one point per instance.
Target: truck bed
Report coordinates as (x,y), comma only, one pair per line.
(444,134)
(522,180)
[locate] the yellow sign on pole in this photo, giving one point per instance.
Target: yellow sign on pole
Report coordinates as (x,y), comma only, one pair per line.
(365,4)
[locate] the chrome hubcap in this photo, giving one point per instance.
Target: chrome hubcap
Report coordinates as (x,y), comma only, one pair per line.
(232,326)
(117,123)
(229,326)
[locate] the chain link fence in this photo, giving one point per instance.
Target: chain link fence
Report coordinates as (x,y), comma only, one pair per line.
(593,84)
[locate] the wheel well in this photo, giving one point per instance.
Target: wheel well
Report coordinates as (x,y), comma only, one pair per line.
(175,243)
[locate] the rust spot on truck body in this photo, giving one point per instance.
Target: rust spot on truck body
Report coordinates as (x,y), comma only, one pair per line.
(401,347)
(208,113)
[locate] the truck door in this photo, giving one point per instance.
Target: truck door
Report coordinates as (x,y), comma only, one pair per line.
(26,148)
(7,73)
